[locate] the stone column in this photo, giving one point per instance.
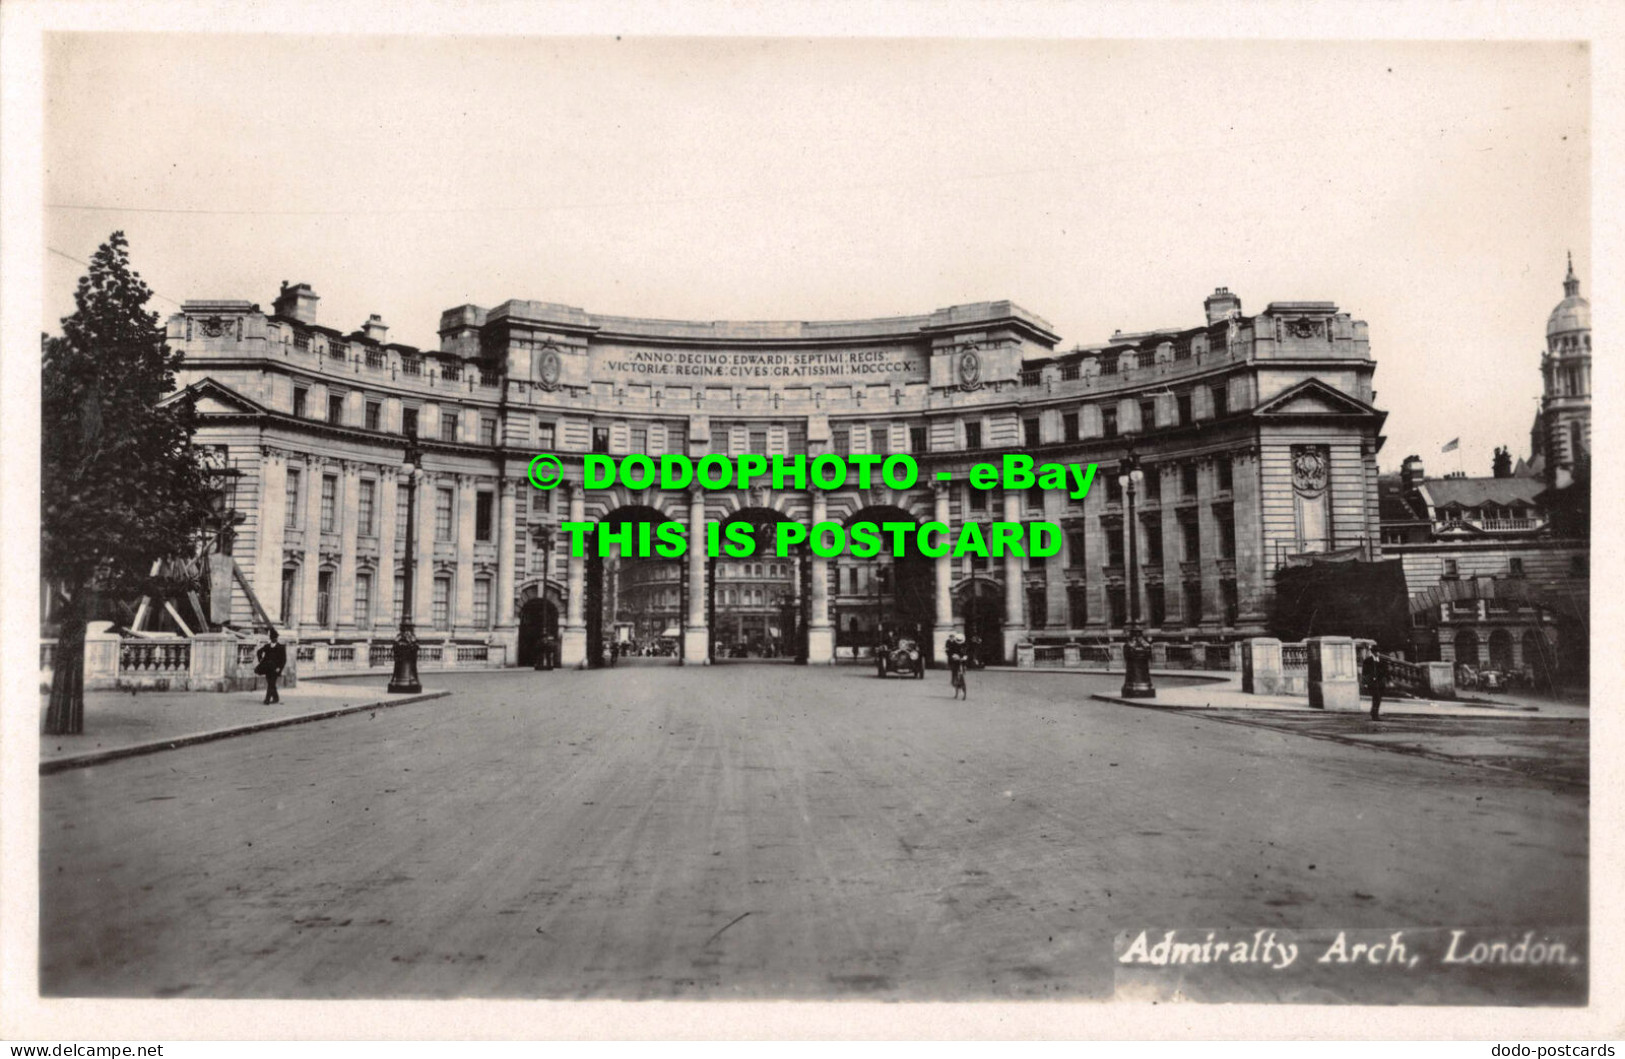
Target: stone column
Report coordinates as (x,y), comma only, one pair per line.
(423,576)
(273,517)
(944,579)
(1334,683)
(573,638)
(383,590)
(463,588)
(1015,595)
(348,511)
(696,636)
(310,569)
(1059,614)
(820,637)
(506,584)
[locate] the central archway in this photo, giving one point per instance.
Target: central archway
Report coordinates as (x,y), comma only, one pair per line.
(758,607)
(633,605)
(887,595)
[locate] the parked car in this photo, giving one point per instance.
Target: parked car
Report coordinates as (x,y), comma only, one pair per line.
(903,658)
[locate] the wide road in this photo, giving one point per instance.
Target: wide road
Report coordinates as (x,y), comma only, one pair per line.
(760,831)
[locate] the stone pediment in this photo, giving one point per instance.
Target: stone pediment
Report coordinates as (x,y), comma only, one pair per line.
(1313,397)
(214,398)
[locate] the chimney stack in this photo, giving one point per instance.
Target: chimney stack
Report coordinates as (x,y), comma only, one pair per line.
(1220,304)
(297,302)
(376,329)
(1411,474)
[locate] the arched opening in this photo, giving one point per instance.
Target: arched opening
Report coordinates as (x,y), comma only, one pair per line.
(888,595)
(633,605)
(1466,643)
(1501,650)
(757,606)
(538,632)
(980,603)
(1538,660)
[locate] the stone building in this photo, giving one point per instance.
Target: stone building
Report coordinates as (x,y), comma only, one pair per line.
(1498,567)
(1258,435)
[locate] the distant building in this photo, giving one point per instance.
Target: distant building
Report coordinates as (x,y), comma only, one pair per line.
(1499,567)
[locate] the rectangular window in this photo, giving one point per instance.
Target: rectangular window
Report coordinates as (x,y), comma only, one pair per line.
(482,603)
(1117,600)
(1191,530)
(1516,566)
(1077,606)
(1108,422)
(335,408)
(1221,401)
(1077,549)
(545,433)
(1113,532)
(375,415)
(1224,473)
(363,601)
(299,395)
(973,436)
(1450,569)
(758,442)
(448,425)
(324,597)
(1227,535)
(1114,488)
(1035,499)
(1030,432)
(400,597)
(365,493)
(1183,403)
(600,439)
(919,439)
(1187,481)
(1193,602)
(841,440)
(1232,603)
(444,502)
(482,516)
(1153,542)
(1156,606)
(978,498)
(409,422)
(291,501)
(330,502)
(400,515)
(880,440)
(488,430)
(290,593)
(640,440)
(441,612)
(1153,485)
(1069,426)
(677,438)
(1037,607)
(1148,415)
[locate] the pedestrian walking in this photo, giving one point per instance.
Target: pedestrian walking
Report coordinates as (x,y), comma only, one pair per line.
(957,657)
(1376,678)
(273,659)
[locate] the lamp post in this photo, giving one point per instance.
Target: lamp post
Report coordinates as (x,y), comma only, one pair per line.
(1137,651)
(404,681)
(544,539)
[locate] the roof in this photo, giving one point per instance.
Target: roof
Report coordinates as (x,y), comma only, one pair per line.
(1475,492)
(1571,314)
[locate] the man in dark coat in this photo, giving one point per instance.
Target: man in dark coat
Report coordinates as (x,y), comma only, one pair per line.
(1376,678)
(273,659)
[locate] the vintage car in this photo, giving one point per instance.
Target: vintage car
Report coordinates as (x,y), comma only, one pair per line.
(903,658)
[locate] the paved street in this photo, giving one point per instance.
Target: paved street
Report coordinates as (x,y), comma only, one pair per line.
(758,831)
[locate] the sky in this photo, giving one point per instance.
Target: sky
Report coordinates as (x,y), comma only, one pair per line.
(1430,189)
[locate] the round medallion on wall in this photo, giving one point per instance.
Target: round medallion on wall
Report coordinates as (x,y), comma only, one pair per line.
(549,368)
(970,369)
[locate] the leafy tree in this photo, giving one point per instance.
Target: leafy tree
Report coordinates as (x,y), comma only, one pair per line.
(123,487)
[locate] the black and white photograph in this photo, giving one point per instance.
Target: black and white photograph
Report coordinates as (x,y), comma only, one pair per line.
(1055,521)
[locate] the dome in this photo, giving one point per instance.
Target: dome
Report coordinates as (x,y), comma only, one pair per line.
(1573,313)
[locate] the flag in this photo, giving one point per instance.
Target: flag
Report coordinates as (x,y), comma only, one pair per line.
(1452,445)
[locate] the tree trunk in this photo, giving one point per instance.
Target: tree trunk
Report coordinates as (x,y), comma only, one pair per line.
(66,713)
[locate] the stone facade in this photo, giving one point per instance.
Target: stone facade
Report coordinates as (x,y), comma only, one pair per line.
(1258,433)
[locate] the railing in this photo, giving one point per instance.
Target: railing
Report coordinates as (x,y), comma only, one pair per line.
(245,654)
(1032,378)
(411,365)
(451,372)
(305,653)
(489,379)
(341,654)
(1406,676)
(376,360)
(1295,656)
(1179,656)
(381,653)
(156,657)
(1217,656)
(1048,655)
(1095,654)
(473,653)
(1504,524)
